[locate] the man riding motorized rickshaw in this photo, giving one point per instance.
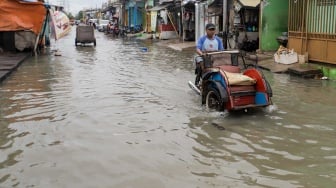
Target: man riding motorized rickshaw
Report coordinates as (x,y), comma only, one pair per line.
(207,43)
(222,83)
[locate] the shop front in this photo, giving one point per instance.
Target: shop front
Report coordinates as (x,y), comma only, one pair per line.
(244,25)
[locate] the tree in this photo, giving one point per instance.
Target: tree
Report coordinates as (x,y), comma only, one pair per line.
(79,15)
(70,16)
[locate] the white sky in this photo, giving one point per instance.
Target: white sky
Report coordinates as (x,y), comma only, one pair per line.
(74,6)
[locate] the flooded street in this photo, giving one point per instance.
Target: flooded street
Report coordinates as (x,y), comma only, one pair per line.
(115,116)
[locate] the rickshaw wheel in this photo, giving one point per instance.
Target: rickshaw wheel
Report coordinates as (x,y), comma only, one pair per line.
(213,100)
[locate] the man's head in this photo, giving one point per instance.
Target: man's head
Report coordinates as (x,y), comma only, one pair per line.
(210,29)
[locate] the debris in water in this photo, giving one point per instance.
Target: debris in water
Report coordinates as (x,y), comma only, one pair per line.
(144,49)
(58,53)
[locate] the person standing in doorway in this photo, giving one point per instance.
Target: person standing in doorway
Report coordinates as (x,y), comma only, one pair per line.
(207,43)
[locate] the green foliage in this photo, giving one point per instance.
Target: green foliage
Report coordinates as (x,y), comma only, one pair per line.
(70,16)
(79,15)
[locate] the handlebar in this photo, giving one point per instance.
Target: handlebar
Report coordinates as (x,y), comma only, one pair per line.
(223,52)
(220,52)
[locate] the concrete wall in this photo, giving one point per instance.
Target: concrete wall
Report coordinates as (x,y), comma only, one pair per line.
(274,21)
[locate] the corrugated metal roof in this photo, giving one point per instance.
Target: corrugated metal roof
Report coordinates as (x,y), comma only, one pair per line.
(250,3)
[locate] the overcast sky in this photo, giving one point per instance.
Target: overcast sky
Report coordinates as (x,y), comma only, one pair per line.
(74,6)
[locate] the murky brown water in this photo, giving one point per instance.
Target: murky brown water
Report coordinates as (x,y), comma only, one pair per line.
(114,116)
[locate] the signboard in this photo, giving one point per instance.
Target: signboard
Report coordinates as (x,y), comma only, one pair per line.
(60,24)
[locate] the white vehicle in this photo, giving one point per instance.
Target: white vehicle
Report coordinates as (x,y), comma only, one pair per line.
(102,25)
(93,21)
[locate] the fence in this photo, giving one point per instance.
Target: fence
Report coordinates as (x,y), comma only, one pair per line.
(312,28)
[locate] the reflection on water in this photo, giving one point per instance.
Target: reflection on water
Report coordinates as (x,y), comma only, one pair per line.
(115,116)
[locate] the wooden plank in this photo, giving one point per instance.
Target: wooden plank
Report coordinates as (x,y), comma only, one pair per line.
(3,75)
(7,67)
(9,62)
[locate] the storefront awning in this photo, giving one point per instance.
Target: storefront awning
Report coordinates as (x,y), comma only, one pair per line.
(159,7)
(250,3)
(20,15)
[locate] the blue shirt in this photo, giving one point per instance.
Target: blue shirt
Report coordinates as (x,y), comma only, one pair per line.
(206,44)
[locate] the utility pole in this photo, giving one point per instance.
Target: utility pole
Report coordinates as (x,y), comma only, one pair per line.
(225,29)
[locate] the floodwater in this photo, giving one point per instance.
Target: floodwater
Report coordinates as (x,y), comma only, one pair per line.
(116,116)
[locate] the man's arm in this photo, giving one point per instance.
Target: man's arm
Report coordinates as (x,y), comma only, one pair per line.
(199,52)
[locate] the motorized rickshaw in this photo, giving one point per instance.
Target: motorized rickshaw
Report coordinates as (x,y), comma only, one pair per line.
(85,34)
(225,85)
